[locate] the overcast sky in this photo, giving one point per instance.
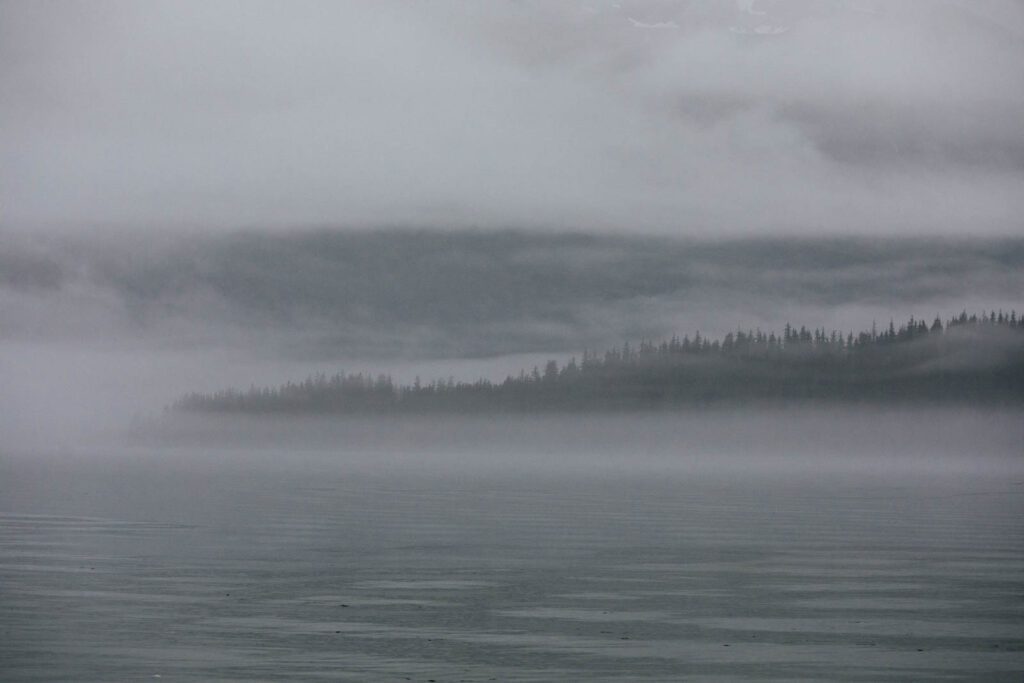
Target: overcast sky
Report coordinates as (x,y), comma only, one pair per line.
(682,117)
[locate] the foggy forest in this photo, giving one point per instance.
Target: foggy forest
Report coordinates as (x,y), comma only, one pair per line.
(970,358)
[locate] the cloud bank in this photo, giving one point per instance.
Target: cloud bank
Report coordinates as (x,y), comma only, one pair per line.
(683,118)
(416,294)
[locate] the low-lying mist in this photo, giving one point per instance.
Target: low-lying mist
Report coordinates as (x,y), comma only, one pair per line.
(704,438)
(184,468)
(99,330)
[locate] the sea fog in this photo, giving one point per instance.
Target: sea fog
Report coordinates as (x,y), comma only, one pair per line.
(203,195)
(777,544)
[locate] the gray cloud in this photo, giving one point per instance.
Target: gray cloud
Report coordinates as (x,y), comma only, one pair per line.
(329,294)
(694,118)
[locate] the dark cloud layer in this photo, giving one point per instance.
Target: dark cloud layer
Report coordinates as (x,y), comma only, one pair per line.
(331,294)
(688,117)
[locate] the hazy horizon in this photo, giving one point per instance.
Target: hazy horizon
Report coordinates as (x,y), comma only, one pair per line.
(101,328)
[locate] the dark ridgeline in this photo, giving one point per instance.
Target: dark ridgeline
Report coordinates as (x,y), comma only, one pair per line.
(972,359)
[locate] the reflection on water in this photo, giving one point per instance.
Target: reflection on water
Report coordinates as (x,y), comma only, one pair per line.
(410,565)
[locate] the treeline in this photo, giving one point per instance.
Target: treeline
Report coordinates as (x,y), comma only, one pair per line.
(966,359)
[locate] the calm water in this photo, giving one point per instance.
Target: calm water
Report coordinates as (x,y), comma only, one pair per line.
(784,546)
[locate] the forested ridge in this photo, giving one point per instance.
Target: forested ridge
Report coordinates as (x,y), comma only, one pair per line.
(969,358)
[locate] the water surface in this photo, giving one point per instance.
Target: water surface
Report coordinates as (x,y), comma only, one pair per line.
(774,546)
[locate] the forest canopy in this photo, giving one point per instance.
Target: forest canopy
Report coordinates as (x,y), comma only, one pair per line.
(967,358)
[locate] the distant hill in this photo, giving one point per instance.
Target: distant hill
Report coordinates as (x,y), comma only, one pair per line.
(969,359)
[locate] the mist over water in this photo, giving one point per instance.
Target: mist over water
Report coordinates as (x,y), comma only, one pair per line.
(836,545)
(102,329)
(398,199)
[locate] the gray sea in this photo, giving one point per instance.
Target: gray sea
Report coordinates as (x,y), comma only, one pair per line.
(772,545)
